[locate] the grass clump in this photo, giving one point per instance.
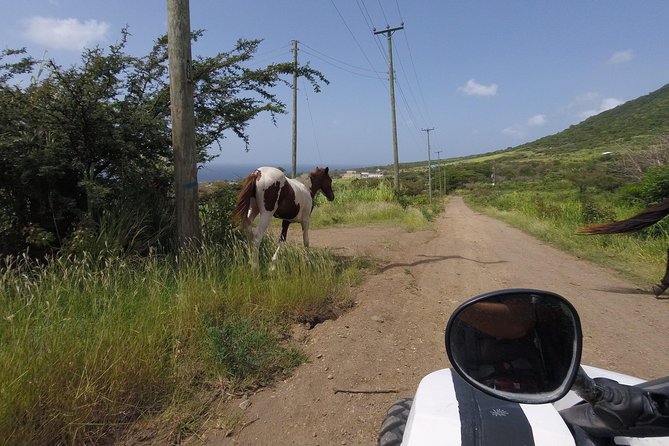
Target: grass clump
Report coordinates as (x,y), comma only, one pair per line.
(249,352)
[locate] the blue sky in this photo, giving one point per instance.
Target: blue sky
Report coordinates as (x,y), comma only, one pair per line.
(485,75)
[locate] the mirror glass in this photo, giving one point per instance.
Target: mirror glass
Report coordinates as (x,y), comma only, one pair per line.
(520,345)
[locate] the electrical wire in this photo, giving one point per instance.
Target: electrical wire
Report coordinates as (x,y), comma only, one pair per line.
(354,38)
(313,127)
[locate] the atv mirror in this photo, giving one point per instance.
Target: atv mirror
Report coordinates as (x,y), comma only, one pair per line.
(519,345)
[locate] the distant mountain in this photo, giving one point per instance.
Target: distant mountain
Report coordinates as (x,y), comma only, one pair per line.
(643,118)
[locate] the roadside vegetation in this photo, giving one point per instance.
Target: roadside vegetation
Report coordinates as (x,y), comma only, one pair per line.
(91,344)
(556,216)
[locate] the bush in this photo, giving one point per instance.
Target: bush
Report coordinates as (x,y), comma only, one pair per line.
(217,203)
(653,186)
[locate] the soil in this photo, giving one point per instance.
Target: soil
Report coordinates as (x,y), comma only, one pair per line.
(394,335)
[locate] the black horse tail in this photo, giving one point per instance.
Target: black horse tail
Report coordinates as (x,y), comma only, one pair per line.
(642,220)
(244,197)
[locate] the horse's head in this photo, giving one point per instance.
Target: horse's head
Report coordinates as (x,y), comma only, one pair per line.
(320,180)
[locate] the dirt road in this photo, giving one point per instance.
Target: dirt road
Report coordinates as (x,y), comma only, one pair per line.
(394,335)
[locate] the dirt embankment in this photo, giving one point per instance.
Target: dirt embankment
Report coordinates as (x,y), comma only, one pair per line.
(394,335)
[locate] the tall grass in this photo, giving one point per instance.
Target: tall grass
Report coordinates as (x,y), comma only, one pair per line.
(359,204)
(89,346)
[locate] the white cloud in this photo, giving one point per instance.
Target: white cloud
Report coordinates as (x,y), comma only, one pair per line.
(537,120)
(68,34)
(472,88)
(605,104)
(621,57)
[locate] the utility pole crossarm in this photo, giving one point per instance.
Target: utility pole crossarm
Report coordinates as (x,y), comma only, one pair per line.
(389,30)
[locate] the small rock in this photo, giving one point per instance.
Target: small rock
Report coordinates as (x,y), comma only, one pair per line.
(245,404)
(330,376)
(378,319)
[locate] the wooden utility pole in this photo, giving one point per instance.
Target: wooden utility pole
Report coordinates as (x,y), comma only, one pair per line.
(389,31)
(183,121)
(294,108)
(429,164)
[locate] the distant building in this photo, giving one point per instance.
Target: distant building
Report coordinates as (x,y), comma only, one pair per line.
(352,174)
(377,174)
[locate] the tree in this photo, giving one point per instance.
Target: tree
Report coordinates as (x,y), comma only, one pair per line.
(82,142)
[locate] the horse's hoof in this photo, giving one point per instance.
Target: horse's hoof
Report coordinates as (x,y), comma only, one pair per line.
(658,290)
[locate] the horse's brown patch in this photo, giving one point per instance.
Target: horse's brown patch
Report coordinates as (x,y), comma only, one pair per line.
(271,195)
(288,208)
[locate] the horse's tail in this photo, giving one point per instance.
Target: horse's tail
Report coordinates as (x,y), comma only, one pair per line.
(243,203)
(642,220)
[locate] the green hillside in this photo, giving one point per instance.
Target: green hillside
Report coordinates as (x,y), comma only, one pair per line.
(641,119)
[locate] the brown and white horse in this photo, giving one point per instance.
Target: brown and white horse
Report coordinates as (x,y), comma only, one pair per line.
(267,192)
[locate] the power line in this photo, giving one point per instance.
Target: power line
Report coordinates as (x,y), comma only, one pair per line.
(370,25)
(339,67)
(411,91)
(383,13)
(313,127)
(336,60)
(415,131)
(412,117)
(398,11)
(337,63)
(420,90)
(353,36)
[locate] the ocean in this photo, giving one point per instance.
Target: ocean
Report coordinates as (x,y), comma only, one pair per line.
(223,172)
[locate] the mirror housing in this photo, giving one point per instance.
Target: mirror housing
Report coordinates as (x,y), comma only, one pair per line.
(521,345)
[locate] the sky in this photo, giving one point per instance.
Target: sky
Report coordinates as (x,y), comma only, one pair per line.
(485,75)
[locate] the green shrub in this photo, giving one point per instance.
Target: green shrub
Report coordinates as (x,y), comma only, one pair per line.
(653,186)
(250,353)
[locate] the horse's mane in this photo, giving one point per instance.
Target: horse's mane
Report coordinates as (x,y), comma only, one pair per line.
(642,220)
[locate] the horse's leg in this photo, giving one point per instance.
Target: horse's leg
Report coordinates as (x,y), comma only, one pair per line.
(258,234)
(305,232)
(253,213)
(247,229)
(282,240)
(664,283)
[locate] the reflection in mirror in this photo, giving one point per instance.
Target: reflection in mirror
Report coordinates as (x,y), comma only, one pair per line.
(520,342)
